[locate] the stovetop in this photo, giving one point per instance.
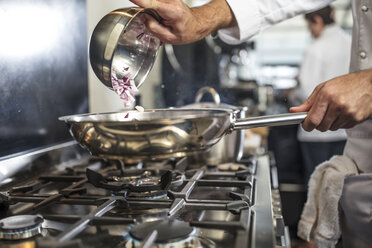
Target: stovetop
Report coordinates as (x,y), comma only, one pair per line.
(170,203)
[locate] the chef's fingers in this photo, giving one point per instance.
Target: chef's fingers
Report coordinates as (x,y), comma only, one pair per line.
(329,119)
(167,9)
(301,108)
(170,11)
(153,4)
(345,120)
(142,3)
(342,122)
(160,31)
(316,113)
(309,101)
(146,3)
(335,124)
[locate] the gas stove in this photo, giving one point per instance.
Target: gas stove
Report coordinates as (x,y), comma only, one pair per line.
(66,198)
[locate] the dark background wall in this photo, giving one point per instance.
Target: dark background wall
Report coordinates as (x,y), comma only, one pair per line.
(43,71)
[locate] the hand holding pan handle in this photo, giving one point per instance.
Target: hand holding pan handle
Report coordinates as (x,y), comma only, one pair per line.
(269,121)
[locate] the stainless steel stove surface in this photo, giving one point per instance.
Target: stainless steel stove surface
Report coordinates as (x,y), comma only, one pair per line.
(172,203)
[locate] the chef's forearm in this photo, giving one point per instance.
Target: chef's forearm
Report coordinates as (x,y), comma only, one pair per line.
(214,16)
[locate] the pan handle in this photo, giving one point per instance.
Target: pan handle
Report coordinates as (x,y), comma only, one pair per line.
(269,121)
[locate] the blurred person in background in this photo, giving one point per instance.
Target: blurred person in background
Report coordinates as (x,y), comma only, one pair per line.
(328,56)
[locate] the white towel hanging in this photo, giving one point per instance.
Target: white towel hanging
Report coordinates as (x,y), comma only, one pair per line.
(320,216)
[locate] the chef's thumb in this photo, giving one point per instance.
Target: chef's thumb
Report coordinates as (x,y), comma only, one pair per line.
(305,107)
(302,108)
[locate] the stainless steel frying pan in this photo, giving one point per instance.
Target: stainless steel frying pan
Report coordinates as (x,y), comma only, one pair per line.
(161,133)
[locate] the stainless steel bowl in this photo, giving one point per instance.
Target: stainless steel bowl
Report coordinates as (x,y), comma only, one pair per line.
(121,45)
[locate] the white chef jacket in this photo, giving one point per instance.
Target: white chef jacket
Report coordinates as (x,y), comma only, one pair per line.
(254,16)
(326,58)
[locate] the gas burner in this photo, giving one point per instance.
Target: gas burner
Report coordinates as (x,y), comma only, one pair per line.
(231,167)
(138,183)
(147,177)
(161,183)
(161,194)
(166,233)
(20,227)
(154,194)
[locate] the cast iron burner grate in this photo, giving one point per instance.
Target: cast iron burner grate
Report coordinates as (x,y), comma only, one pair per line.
(102,192)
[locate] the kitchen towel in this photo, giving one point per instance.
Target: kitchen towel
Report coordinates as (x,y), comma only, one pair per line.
(320,216)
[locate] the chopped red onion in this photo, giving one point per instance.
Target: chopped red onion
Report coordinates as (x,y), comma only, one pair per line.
(139,108)
(125,88)
(138,37)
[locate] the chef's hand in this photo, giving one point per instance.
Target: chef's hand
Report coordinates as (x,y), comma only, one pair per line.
(341,102)
(181,24)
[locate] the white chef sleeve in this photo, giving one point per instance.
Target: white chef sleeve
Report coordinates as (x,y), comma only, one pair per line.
(254,16)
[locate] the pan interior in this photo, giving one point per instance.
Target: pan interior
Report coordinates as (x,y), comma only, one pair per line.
(154,115)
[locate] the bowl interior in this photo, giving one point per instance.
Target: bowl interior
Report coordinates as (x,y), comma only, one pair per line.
(135,52)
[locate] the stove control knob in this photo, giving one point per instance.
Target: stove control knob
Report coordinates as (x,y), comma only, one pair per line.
(279,225)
